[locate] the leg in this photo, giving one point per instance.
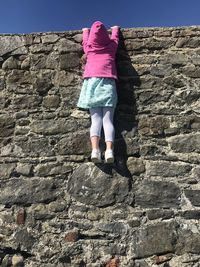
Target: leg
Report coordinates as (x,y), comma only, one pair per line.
(109,132)
(96,125)
(95,133)
(95,142)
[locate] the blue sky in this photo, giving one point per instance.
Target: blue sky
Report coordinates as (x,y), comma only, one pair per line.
(26,16)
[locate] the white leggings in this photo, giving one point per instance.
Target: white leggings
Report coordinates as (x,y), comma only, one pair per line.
(102,116)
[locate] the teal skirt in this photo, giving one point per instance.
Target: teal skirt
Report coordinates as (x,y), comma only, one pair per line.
(98,92)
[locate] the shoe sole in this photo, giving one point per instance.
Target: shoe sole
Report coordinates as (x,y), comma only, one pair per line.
(109,160)
(95,160)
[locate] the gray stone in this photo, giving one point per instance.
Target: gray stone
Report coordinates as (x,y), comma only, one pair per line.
(64,45)
(26,63)
(4,102)
(19,77)
(188,240)
(49,38)
(167,168)
(7,125)
(68,61)
(151,194)
(10,63)
(52,169)
(27,191)
(7,261)
(158,43)
(191,214)
(117,228)
(36,146)
(20,51)
(196,60)
(63,78)
(42,83)
(135,165)
(51,101)
(191,42)
(52,61)
(38,61)
(186,143)
(161,70)
(175,59)
(77,143)
(154,214)
(17,260)
(39,48)
(154,126)
(175,81)
(25,239)
(27,102)
(94,186)
(11,150)
(52,127)
(78,38)
(193,196)
(10,43)
(24,168)
(6,170)
(2,83)
(191,71)
(154,239)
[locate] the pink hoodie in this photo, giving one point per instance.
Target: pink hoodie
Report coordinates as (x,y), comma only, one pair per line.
(100,50)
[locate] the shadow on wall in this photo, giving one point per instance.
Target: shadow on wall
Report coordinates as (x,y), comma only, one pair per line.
(126,111)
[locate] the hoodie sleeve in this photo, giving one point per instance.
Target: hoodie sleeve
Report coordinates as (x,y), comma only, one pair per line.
(115,35)
(85,39)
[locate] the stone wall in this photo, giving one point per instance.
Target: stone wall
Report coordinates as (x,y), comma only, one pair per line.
(57,209)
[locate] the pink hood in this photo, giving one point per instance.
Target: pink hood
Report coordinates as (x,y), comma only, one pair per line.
(100,50)
(99,36)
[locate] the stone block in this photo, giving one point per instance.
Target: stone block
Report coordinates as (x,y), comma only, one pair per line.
(153,126)
(26,102)
(164,214)
(6,170)
(65,45)
(51,169)
(167,168)
(53,127)
(193,196)
(34,147)
(136,166)
(24,239)
(74,144)
(49,38)
(27,191)
(186,143)
(154,240)
(157,194)
(63,78)
(7,125)
(10,43)
(51,101)
(93,186)
(10,63)
(24,169)
(188,240)
(69,61)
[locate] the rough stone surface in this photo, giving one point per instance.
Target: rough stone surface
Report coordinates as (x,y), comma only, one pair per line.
(100,187)
(57,209)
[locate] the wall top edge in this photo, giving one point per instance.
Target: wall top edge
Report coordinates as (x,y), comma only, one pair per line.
(136,29)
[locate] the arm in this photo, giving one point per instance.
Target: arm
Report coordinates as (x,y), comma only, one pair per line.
(115,34)
(85,38)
